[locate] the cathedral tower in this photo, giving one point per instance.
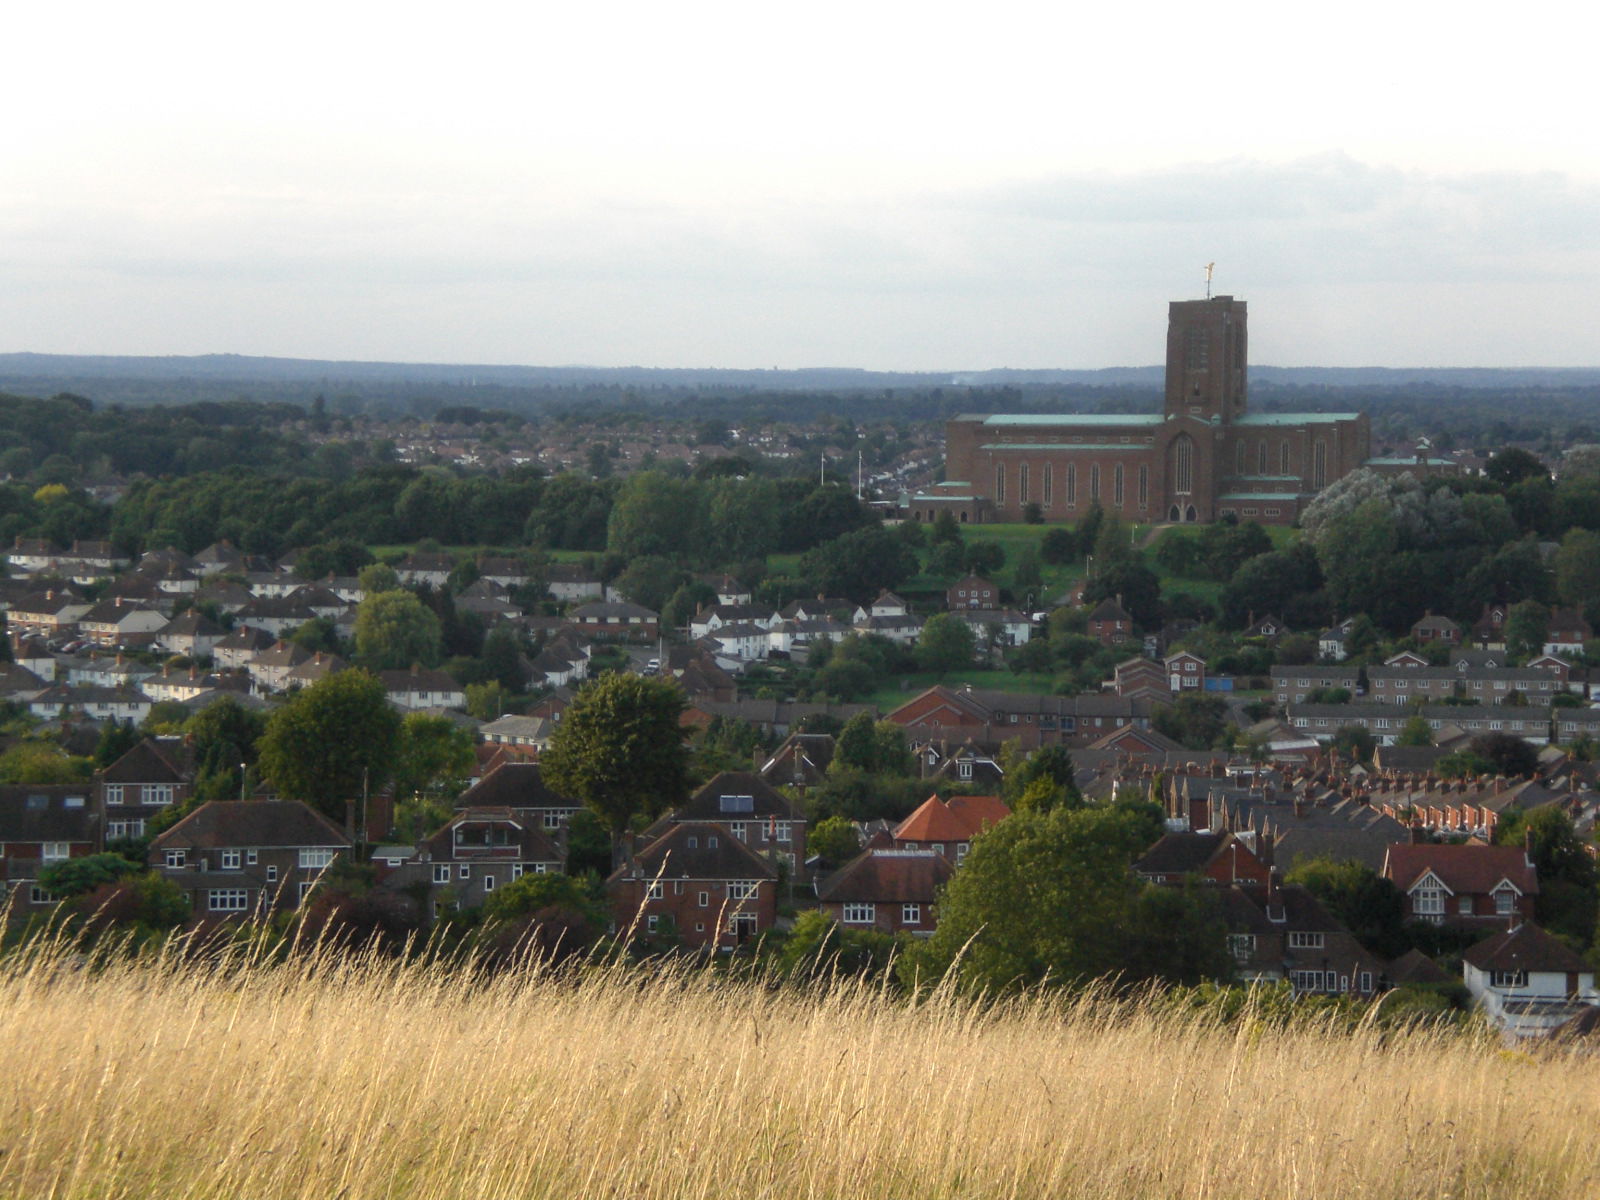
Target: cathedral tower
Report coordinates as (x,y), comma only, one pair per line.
(1206,343)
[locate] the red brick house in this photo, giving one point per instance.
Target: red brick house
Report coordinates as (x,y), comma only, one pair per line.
(1109,622)
(972,592)
(699,880)
(947,827)
(1283,932)
(245,858)
(520,788)
(151,777)
(41,825)
(1186,672)
(757,815)
(892,891)
(1436,628)
(1469,885)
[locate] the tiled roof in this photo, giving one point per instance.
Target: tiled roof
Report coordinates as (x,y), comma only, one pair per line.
(888,877)
(716,800)
(1464,869)
(514,785)
(959,819)
(1525,948)
(226,823)
(697,850)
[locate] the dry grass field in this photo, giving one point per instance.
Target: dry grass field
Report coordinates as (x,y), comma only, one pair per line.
(352,1080)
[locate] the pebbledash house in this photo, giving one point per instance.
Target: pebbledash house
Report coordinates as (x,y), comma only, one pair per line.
(1204,456)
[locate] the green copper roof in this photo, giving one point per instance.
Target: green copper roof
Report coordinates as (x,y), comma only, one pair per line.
(1409,462)
(1101,419)
(1286,497)
(1312,418)
(1065,446)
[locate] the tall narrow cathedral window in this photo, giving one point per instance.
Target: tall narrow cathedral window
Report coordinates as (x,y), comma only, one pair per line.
(1261,457)
(1238,458)
(1183,461)
(1000,483)
(1049,483)
(1072,485)
(1116,485)
(1144,486)
(1319,466)
(1022,484)
(1283,457)
(1094,482)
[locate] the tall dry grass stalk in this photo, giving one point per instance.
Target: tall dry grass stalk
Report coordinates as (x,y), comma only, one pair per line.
(352,1078)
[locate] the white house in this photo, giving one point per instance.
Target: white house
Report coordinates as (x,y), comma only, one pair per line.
(1528,982)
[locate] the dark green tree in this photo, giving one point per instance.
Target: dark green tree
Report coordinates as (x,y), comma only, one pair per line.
(332,743)
(946,644)
(619,751)
(395,630)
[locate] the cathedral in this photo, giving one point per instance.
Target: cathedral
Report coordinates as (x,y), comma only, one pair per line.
(1203,456)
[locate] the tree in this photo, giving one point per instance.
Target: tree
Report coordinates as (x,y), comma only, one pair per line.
(619,751)
(1577,566)
(332,742)
(1356,741)
(1041,897)
(1527,626)
(502,658)
(1046,779)
(222,736)
(1506,753)
(946,644)
(35,761)
(1512,466)
(433,757)
(860,564)
(1199,722)
(1366,903)
(116,739)
(1568,881)
(77,876)
(1135,583)
(835,839)
(395,630)
(378,577)
(1416,732)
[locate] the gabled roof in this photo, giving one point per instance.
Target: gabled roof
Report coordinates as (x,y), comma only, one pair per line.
(1526,948)
(959,819)
(62,812)
(696,850)
(226,823)
(1463,869)
(737,796)
(514,785)
(532,842)
(1109,609)
(888,877)
(1416,967)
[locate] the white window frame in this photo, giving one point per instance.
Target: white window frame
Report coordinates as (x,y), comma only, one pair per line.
(1303,940)
(911,914)
(315,858)
(174,860)
(441,872)
(743,889)
(54,852)
(272,872)
(228,900)
(488,883)
(232,860)
(157,793)
(860,914)
(1505,902)
(113,793)
(655,891)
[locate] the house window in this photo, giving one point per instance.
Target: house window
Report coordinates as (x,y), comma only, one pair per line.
(1313,981)
(737,829)
(743,889)
(784,831)
(516,870)
(1000,483)
(1319,466)
(174,859)
(1238,458)
(53,852)
(1428,902)
(231,860)
(1283,458)
(1183,464)
(124,829)
(464,871)
(1366,981)
(272,873)
(158,793)
(1022,484)
(552,820)
(1094,481)
(655,891)
(1464,905)
(1144,486)
(228,899)
(303,890)
(859,914)
(964,770)
(1242,946)
(911,914)
(37,895)
(113,793)
(652,923)
(1504,902)
(705,899)
(315,859)
(1305,941)
(441,872)
(1261,458)
(1049,483)
(488,883)
(250,858)
(1508,979)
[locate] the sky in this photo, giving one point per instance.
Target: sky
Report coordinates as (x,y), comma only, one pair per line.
(885,185)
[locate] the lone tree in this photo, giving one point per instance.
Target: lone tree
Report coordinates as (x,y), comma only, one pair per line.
(396,629)
(331,741)
(619,751)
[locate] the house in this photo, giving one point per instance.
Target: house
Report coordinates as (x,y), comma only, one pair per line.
(573,582)
(996,626)
(92,700)
(889,605)
(478,850)
(52,613)
(617,620)
(245,858)
(422,687)
(1219,858)
(1308,946)
(948,827)
(1109,622)
(220,558)
(1333,644)
(698,881)
(270,668)
(801,762)
(418,568)
(29,555)
(1489,630)
(1568,632)
(973,591)
(755,814)
(990,717)
(519,788)
(514,730)
(892,891)
(120,622)
(239,648)
(1186,672)
(41,825)
(1435,628)
(968,765)
(728,589)
(190,633)
(1528,982)
(150,777)
(1142,679)
(1268,629)
(1469,885)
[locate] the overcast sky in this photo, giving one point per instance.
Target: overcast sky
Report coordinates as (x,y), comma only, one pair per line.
(883,185)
